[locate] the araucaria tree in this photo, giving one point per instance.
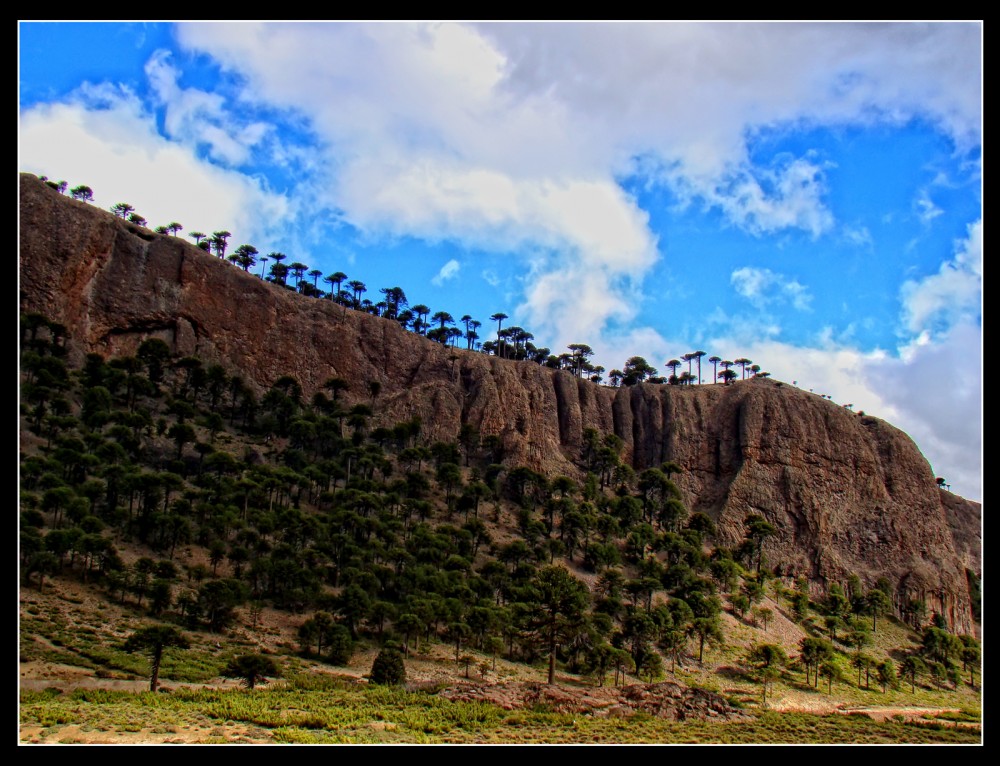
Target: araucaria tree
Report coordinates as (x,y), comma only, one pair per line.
(219,242)
(395,301)
(715,362)
(767,660)
(251,669)
(498,318)
(673,364)
(122,209)
(758,530)
(636,370)
(876,603)
(559,601)
(153,640)
(698,355)
(814,651)
(245,257)
(335,280)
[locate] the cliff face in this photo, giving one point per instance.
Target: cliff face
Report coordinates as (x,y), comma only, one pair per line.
(847,494)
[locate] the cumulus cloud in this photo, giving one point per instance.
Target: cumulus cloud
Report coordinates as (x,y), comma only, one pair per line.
(103,137)
(951,295)
(572,303)
(448,271)
(583,240)
(740,327)
(693,95)
(935,393)
(927,211)
(646,342)
(858,236)
(767,200)
(763,286)
(520,148)
(201,118)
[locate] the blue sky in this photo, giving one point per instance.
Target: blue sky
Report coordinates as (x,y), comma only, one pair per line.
(804,195)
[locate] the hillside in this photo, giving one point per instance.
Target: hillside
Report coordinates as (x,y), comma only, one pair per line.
(846,493)
(324,704)
(257,476)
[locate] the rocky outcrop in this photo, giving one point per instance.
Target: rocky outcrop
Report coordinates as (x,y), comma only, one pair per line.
(847,494)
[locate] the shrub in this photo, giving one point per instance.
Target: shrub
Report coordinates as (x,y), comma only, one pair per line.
(388,668)
(340,644)
(251,669)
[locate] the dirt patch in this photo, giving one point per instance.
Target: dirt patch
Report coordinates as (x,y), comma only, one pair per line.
(804,704)
(181,735)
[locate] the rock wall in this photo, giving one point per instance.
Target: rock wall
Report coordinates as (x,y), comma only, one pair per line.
(847,494)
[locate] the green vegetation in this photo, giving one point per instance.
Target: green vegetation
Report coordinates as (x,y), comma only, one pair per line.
(335,714)
(154,640)
(389,669)
(252,669)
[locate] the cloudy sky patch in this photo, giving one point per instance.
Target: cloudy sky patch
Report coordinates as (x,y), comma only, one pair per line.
(763,286)
(448,271)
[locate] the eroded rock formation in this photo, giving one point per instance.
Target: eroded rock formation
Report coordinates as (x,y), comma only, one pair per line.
(847,494)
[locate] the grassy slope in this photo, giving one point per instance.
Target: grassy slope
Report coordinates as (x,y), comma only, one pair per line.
(66,628)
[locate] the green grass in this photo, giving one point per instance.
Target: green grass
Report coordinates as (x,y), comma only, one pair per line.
(338,714)
(49,637)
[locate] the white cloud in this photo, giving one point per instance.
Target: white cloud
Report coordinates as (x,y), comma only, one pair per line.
(448,271)
(195,116)
(572,303)
(858,236)
(953,294)
(586,240)
(764,201)
(763,286)
(692,94)
(935,392)
(103,137)
(595,220)
(640,341)
(927,211)
(511,137)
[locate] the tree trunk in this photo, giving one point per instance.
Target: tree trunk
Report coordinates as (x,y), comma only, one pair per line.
(154,676)
(552,654)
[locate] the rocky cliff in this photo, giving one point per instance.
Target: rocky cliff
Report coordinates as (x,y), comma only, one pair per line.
(847,493)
